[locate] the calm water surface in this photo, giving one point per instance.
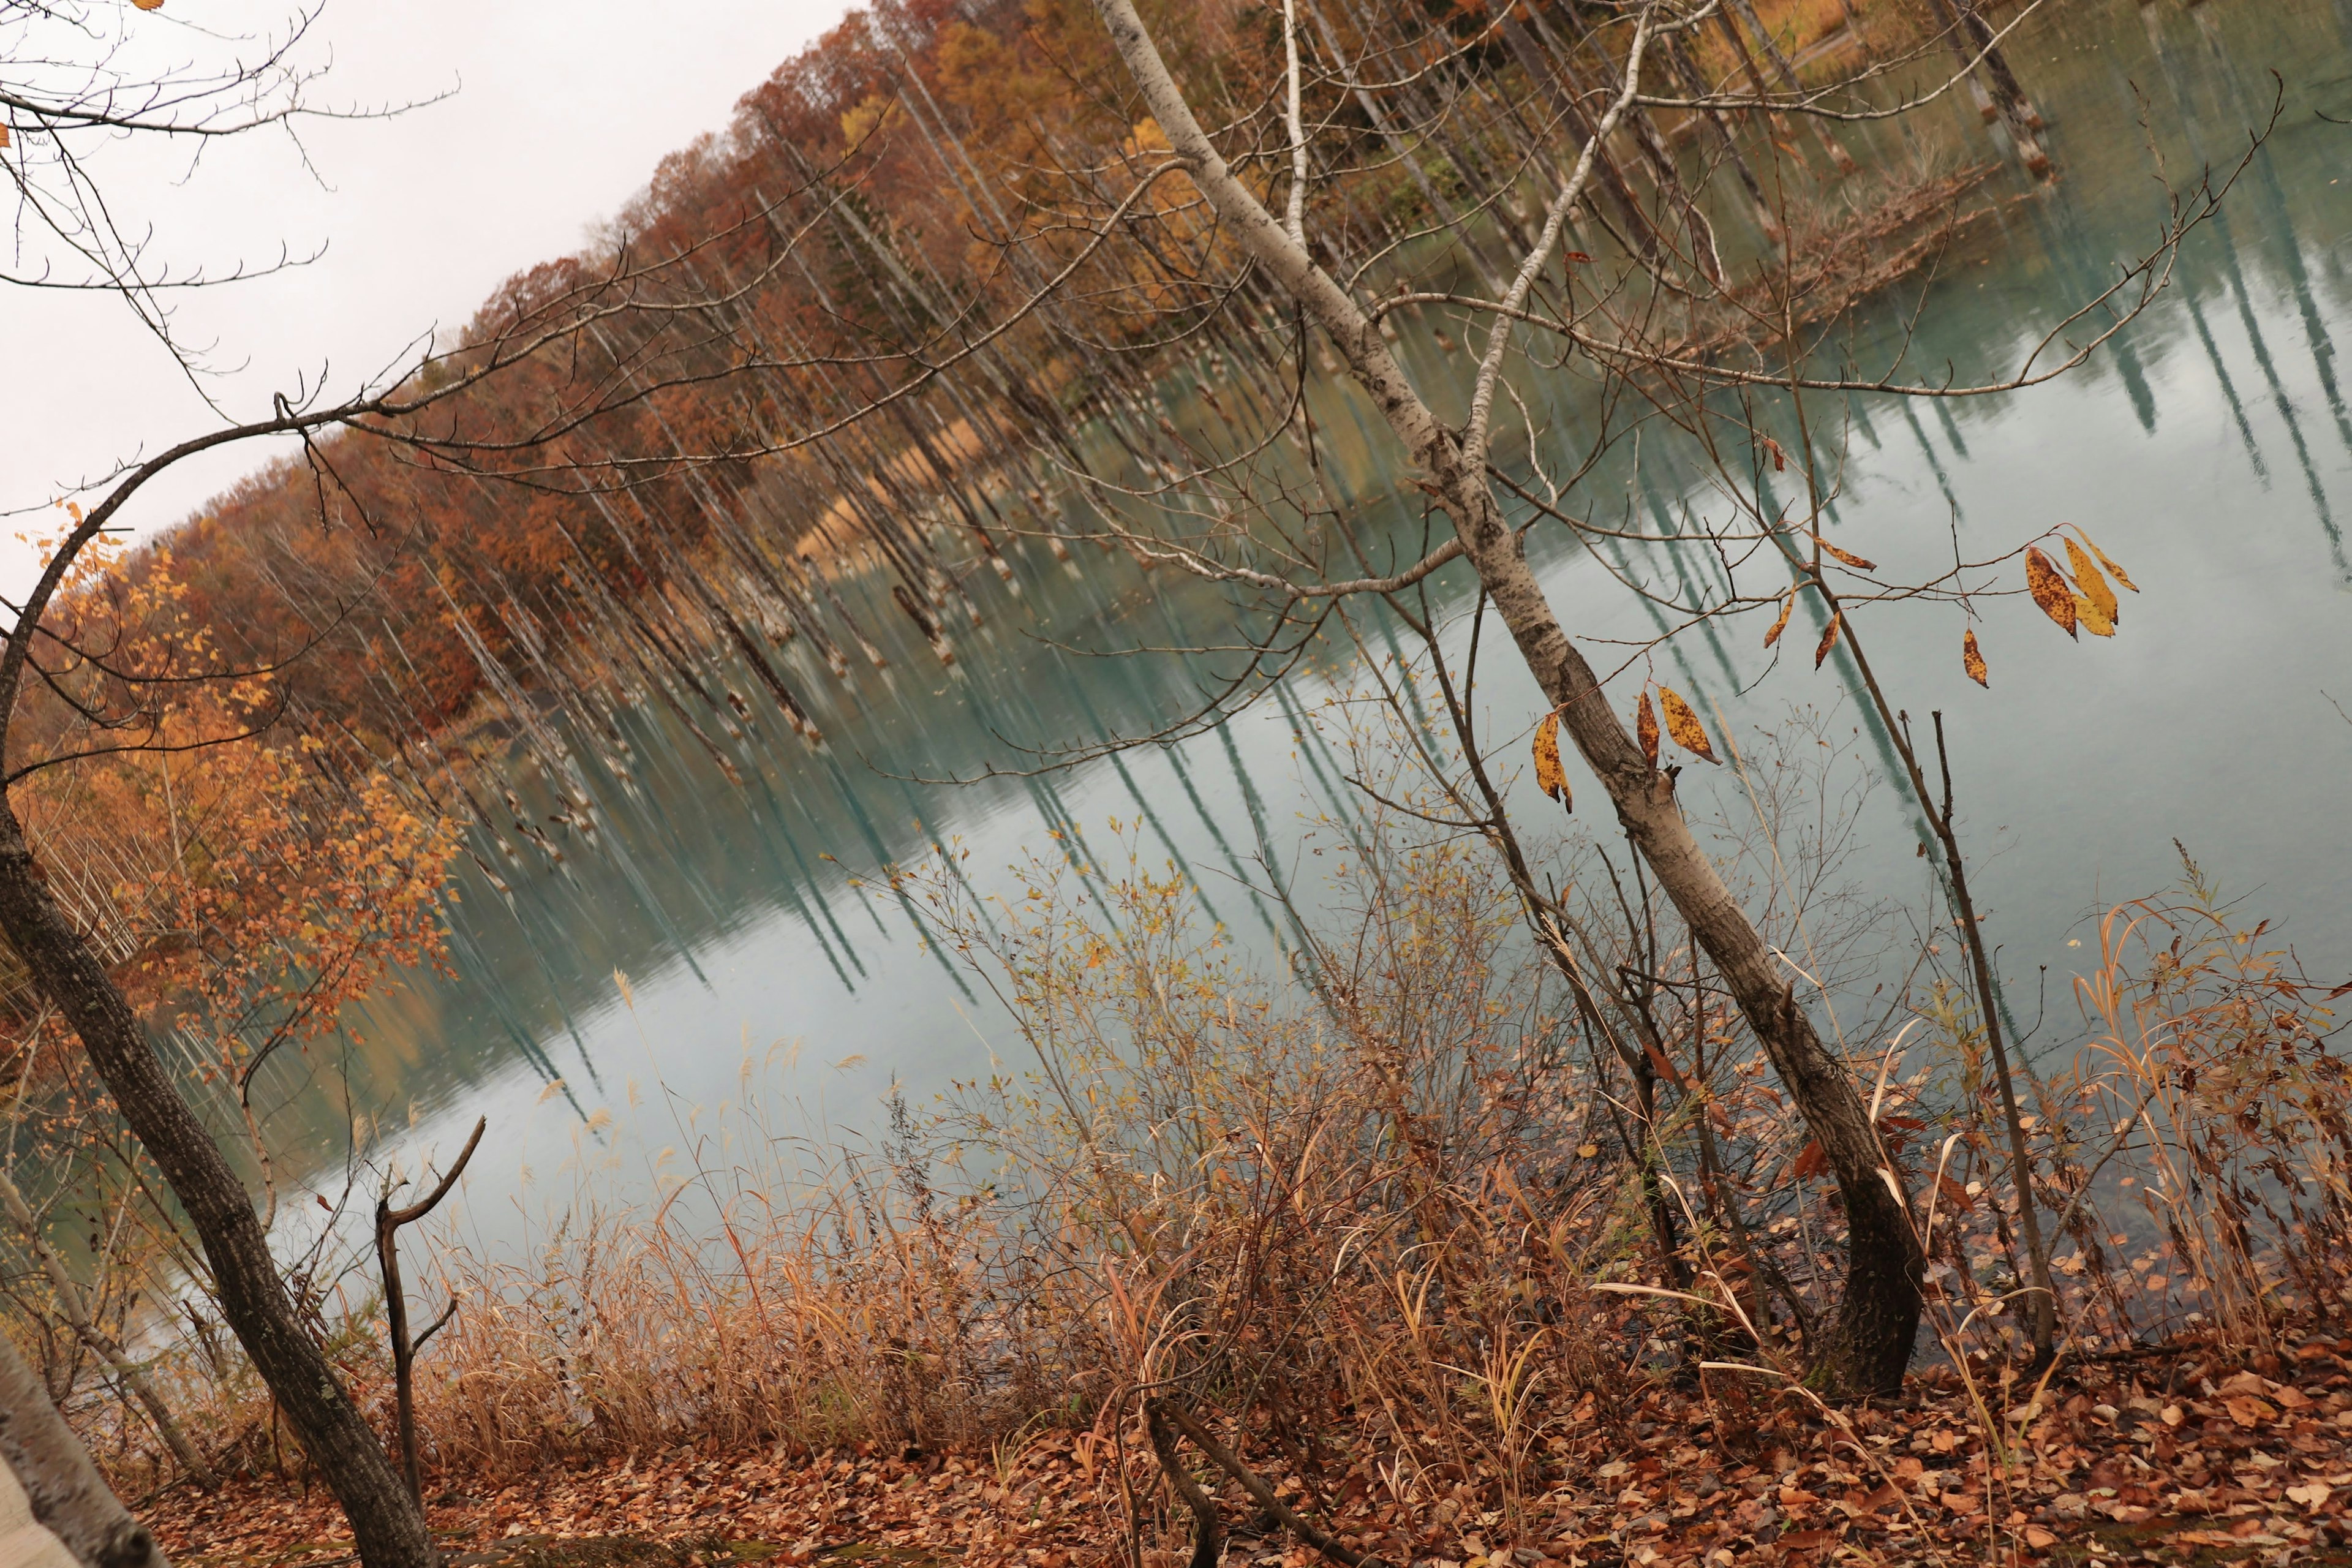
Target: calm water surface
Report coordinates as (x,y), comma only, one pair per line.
(2209,448)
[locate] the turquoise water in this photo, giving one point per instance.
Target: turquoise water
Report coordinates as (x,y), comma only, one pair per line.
(717,939)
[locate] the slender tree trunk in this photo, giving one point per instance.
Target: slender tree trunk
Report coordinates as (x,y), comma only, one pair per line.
(71,1303)
(1869,1345)
(388,1527)
(67,1493)
(1971,34)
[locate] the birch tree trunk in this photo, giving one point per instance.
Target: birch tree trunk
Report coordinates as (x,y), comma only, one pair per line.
(76,1308)
(67,1493)
(1869,1344)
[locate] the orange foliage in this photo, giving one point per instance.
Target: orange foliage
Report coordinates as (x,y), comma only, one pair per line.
(247,885)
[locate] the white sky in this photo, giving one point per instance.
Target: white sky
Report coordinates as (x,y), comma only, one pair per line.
(561,112)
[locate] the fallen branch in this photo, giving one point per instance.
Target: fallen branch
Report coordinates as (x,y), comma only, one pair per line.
(1226,1459)
(1208,1542)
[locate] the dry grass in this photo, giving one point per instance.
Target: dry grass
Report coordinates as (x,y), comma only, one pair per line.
(1387,1196)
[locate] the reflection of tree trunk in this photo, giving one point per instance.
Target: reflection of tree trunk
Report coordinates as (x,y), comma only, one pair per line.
(78,1316)
(67,1493)
(388,1527)
(1870,1344)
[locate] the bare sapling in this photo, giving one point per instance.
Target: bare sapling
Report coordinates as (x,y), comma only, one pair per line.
(388,1221)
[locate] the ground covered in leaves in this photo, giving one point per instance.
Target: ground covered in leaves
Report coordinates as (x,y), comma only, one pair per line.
(2182,1455)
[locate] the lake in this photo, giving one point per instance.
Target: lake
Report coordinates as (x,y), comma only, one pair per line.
(720,940)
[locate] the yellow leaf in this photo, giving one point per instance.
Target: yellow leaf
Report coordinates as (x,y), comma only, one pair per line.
(1848,556)
(1550,776)
(1683,724)
(1829,640)
(2049,588)
(2113,570)
(1645,728)
(1783,624)
(1972,660)
(2093,586)
(2090,618)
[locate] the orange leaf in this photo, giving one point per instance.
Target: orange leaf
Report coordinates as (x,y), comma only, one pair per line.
(1954,1194)
(148,5)
(1783,624)
(1683,724)
(2048,586)
(1550,777)
(1972,660)
(1645,728)
(1829,640)
(2113,570)
(1848,556)
(1780,458)
(2095,588)
(1812,1161)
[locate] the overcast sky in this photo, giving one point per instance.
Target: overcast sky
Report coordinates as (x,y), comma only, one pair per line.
(559,112)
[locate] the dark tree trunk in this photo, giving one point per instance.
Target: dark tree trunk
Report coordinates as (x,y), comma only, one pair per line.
(388,1527)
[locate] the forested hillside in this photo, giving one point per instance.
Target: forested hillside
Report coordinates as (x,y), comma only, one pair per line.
(833,334)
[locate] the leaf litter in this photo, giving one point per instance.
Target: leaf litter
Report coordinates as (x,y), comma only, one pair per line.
(2179,1454)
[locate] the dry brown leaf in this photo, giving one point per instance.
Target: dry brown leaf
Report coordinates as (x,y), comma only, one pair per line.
(1781,625)
(1973,659)
(2093,585)
(1683,724)
(2048,586)
(1829,640)
(1645,728)
(1550,776)
(2113,570)
(1848,556)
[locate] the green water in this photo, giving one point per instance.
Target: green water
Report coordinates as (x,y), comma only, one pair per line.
(2209,448)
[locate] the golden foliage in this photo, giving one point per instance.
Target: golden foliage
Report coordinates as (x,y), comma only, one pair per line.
(2094,589)
(2113,570)
(1972,658)
(1645,728)
(1551,777)
(1848,556)
(1683,724)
